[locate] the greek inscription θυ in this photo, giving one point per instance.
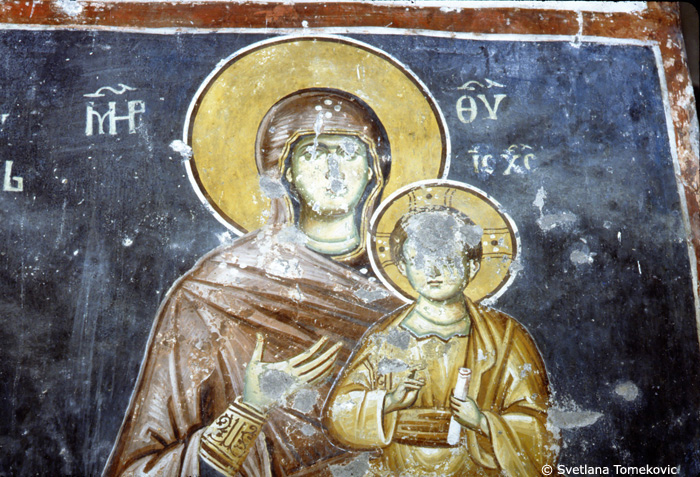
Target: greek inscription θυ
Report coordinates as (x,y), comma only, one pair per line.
(468,107)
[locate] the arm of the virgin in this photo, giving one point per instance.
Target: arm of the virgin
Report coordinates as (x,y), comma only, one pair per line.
(164,423)
(160,434)
(227,442)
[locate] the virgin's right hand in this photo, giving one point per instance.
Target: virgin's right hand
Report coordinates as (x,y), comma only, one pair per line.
(266,384)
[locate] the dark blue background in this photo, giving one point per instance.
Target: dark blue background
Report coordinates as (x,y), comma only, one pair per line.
(76,304)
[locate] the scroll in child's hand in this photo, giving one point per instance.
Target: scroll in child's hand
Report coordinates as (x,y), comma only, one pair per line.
(460,392)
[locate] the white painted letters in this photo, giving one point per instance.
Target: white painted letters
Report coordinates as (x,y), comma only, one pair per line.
(99,93)
(7,184)
(491,102)
(517,158)
(92,116)
(100,120)
(482,162)
(497,101)
(461,109)
(470,85)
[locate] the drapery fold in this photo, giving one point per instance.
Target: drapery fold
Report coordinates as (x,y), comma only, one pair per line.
(204,336)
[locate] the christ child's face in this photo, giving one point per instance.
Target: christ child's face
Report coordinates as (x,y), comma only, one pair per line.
(438,277)
(330,172)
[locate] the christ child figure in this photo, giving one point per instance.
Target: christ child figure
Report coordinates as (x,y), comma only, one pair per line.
(397,394)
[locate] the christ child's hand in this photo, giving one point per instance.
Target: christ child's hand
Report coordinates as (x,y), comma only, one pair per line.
(467,413)
(404,395)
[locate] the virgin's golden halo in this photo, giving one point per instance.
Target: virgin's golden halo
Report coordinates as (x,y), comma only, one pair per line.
(500,239)
(226,113)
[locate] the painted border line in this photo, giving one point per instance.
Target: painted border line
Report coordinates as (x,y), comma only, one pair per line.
(301,31)
(671,130)
(445,6)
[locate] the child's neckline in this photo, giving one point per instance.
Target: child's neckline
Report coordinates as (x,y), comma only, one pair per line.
(421,326)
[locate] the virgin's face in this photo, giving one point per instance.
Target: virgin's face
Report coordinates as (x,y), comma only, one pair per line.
(437,278)
(330,172)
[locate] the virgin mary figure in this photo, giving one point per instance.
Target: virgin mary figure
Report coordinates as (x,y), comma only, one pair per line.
(332,156)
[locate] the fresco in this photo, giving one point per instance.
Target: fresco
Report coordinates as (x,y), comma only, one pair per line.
(357,254)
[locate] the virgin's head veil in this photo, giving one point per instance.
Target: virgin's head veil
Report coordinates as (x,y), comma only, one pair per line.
(319,111)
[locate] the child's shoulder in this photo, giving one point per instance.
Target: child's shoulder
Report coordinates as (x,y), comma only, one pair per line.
(387,331)
(499,324)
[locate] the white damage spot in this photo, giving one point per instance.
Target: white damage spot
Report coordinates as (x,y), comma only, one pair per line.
(516,267)
(182,148)
(573,419)
(577,40)
(3,118)
(447,236)
(275,384)
(551,221)
(127,242)
(400,339)
(305,400)
(291,234)
(356,468)
(369,296)
(70,7)
(539,199)
(308,430)
(224,237)
(567,414)
(272,188)
(581,257)
(526,369)
(627,391)
(346,404)
(295,294)
(547,222)
(576,6)
(285,268)
(387,366)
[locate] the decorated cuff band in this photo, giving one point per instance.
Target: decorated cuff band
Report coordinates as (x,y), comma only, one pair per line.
(226,442)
